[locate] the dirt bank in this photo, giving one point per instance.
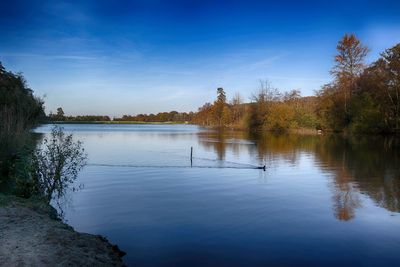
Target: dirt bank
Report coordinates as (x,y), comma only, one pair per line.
(31,235)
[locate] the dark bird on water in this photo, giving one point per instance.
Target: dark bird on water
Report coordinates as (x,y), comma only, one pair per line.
(262,168)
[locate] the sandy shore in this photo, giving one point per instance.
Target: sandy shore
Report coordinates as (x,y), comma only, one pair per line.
(31,235)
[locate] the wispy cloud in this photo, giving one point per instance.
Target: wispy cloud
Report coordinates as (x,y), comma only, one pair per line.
(262,63)
(114,59)
(49,56)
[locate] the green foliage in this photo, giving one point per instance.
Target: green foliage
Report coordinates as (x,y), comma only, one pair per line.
(50,169)
(305,119)
(60,114)
(19,108)
(19,111)
(57,163)
(366,116)
(330,109)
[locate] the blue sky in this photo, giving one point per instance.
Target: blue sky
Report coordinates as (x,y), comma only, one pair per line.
(129,57)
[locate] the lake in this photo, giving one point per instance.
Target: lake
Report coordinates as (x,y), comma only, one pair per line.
(322,200)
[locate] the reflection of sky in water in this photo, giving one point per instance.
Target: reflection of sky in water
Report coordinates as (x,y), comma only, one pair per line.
(321,201)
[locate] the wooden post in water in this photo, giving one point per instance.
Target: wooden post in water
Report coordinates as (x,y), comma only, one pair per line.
(191,156)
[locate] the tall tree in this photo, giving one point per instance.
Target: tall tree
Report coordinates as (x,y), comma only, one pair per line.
(219,106)
(60,114)
(349,64)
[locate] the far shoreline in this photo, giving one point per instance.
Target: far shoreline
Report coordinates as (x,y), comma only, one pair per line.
(296,131)
(299,131)
(115,122)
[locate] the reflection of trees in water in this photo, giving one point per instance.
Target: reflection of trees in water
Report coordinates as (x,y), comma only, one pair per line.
(271,148)
(387,194)
(266,148)
(217,141)
(345,196)
(332,154)
(367,165)
(370,165)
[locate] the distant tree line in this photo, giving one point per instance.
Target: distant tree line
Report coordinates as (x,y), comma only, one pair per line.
(60,117)
(173,116)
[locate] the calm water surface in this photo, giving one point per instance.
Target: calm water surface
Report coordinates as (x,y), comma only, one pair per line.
(322,201)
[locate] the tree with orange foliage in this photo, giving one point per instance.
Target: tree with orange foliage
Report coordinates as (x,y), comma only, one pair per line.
(349,65)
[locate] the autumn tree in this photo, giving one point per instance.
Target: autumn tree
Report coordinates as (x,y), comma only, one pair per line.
(282,117)
(349,64)
(204,115)
(237,108)
(334,99)
(261,104)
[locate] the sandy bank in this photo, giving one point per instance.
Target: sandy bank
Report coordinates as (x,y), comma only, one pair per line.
(31,235)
